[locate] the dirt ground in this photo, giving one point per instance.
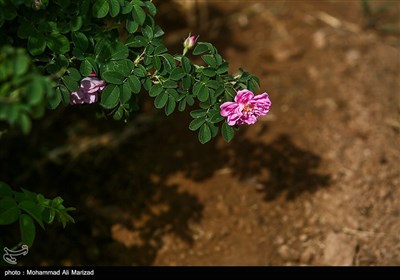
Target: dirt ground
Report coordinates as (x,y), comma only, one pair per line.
(316,182)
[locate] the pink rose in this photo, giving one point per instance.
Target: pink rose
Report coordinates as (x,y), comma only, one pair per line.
(88,91)
(189,42)
(247,108)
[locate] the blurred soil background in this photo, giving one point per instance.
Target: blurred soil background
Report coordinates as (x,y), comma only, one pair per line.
(316,182)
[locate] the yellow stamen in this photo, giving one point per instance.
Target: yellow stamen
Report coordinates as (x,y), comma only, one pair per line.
(247,108)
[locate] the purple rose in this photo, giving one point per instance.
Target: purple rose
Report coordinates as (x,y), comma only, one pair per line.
(247,108)
(88,91)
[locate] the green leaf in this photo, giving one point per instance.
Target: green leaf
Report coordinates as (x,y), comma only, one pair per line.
(70,83)
(209,72)
(182,105)
(156,62)
(113,77)
(169,62)
(200,48)
(138,14)
(186,82)
(170,84)
(210,60)
(36,44)
(213,84)
(119,113)
(62,60)
(9,211)
(204,134)
(58,43)
(57,202)
(223,68)
(35,92)
(80,40)
(78,53)
(114,8)
(125,93)
(198,113)
(155,90)
(158,32)
(161,100)
(149,50)
(134,84)
(203,93)
(253,83)
(186,64)
(131,26)
(127,8)
(32,209)
(148,32)
(50,27)
(5,189)
(214,129)
(49,214)
(177,74)
(136,41)
(169,109)
(27,228)
(205,105)
(123,66)
(147,83)
(102,50)
(227,132)
(218,59)
(119,51)
(172,92)
(65,96)
(139,71)
(160,49)
(110,96)
(100,8)
(197,123)
(190,100)
(21,64)
(229,93)
(55,99)
(27,195)
(74,73)
(216,118)
(76,23)
(196,88)
(151,8)
(86,68)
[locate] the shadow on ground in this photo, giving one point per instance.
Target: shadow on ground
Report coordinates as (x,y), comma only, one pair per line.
(125,205)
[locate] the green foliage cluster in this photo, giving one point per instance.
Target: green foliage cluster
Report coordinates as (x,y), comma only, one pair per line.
(120,41)
(27,208)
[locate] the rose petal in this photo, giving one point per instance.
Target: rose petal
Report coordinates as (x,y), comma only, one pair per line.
(244,96)
(228,108)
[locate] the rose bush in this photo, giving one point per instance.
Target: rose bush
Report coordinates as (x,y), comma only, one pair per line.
(107,54)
